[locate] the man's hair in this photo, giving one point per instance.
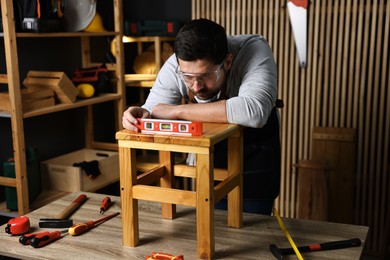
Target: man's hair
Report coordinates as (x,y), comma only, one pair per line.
(201,39)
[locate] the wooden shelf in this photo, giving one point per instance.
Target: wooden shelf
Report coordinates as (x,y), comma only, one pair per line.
(140,80)
(44,198)
(144,80)
(127,39)
(63,34)
(142,84)
(3,79)
(65,106)
(140,77)
(12,79)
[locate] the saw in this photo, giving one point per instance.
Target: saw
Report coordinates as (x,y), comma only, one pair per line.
(297,10)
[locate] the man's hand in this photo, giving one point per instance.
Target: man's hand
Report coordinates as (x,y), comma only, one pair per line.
(129,119)
(165,111)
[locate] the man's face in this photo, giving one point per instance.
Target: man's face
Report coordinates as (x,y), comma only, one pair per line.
(203,78)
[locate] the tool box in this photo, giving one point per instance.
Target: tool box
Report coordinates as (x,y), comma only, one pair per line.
(152,27)
(97,76)
(60,174)
(33,177)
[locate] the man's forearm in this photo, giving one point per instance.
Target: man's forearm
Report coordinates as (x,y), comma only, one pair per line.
(210,112)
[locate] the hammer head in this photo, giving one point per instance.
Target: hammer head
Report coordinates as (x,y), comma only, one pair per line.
(55,223)
(276,251)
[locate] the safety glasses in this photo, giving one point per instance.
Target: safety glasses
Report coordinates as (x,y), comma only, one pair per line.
(201,78)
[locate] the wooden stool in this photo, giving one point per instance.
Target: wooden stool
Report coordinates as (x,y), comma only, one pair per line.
(135,187)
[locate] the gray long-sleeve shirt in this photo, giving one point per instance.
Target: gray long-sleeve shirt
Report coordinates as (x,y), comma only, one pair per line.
(251,83)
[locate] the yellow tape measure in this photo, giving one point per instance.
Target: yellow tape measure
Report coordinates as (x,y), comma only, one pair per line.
(289,238)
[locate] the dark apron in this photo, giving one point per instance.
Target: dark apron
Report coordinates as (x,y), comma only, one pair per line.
(261,157)
(261,160)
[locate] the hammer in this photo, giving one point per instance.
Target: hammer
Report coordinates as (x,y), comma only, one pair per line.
(61,221)
(280,252)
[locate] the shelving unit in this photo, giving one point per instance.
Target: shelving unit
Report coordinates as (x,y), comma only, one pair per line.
(12,78)
(144,80)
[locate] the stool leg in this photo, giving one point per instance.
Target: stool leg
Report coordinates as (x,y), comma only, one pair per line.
(235,197)
(168,210)
(205,205)
(128,178)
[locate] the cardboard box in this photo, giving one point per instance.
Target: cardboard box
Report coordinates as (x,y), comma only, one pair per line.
(31,99)
(60,174)
(65,90)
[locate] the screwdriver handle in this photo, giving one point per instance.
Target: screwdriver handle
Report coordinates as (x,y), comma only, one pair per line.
(44,238)
(79,229)
(25,239)
(105,204)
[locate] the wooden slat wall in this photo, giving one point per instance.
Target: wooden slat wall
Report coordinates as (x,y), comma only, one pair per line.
(346,84)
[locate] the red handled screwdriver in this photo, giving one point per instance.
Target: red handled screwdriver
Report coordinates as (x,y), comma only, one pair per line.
(26,238)
(79,229)
(40,239)
(105,205)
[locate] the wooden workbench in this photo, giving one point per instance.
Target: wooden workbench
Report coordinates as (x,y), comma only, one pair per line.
(176,236)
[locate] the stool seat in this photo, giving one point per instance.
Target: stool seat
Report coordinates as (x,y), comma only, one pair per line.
(134,187)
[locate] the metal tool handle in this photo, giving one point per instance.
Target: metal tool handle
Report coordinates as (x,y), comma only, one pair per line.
(336,244)
(280,252)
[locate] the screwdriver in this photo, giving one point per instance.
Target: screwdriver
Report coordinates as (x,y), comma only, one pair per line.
(79,229)
(105,204)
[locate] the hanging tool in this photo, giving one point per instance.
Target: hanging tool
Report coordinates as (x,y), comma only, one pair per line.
(297,10)
(105,205)
(79,229)
(280,252)
(40,239)
(18,225)
(289,238)
(72,206)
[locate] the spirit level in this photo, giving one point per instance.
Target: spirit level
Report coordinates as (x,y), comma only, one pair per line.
(172,127)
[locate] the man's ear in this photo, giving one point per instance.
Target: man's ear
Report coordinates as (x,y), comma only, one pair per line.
(228,61)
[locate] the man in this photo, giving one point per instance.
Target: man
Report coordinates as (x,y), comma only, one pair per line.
(223,80)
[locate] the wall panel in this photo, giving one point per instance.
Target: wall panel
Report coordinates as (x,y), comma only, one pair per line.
(345,84)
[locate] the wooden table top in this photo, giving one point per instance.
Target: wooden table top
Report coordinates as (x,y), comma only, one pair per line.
(176,236)
(212,134)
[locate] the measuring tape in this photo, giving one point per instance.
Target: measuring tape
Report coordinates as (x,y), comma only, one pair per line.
(18,225)
(289,238)
(171,127)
